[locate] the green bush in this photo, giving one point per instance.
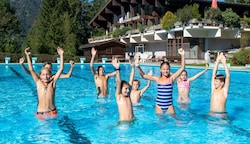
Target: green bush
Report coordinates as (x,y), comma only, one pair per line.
(242,57)
(96,32)
(168,20)
(213,14)
(120,31)
(245,19)
(230,17)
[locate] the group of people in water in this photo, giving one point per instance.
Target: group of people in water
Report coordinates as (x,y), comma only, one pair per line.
(126,98)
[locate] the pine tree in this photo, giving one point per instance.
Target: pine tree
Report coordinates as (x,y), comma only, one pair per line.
(9,28)
(59,23)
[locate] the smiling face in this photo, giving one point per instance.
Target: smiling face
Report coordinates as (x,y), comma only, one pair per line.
(125,88)
(100,71)
(183,75)
(45,75)
(135,85)
(219,81)
(165,70)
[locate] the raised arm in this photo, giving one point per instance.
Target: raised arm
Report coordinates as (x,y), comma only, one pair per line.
(178,72)
(32,72)
(132,73)
(148,84)
(215,70)
(227,80)
(198,74)
(68,75)
(21,61)
(116,65)
(58,73)
(143,75)
(93,53)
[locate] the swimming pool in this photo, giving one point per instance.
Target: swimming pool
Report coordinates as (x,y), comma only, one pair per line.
(85,119)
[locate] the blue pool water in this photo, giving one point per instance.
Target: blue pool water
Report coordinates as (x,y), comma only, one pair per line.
(85,119)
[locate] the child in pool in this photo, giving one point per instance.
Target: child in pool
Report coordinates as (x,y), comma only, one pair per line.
(164,103)
(135,94)
(101,80)
(46,86)
(220,86)
(122,95)
(184,85)
(49,66)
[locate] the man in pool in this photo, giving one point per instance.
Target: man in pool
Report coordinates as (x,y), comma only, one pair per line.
(220,86)
(46,86)
(49,66)
(135,93)
(122,94)
(101,80)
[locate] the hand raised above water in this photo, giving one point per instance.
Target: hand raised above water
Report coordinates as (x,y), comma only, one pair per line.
(93,51)
(60,51)
(27,51)
(21,60)
(181,51)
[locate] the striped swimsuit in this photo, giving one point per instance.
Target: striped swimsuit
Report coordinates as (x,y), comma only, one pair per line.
(164,97)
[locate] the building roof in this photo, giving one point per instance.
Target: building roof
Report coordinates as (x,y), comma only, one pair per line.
(108,15)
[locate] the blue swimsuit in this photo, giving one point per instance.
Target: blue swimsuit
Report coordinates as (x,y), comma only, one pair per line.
(164,98)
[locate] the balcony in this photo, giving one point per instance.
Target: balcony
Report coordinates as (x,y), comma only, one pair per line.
(100,39)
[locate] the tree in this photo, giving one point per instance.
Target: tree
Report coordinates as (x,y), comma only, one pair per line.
(95,6)
(168,20)
(213,14)
(9,28)
(229,17)
(195,11)
(188,12)
(59,23)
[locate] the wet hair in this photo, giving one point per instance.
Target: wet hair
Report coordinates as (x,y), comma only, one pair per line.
(47,63)
(165,62)
(98,68)
(135,80)
(123,83)
(44,68)
(220,77)
(185,72)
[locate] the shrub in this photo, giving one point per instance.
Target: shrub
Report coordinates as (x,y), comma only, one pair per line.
(120,31)
(229,17)
(185,14)
(168,20)
(242,57)
(245,19)
(96,32)
(195,11)
(213,14)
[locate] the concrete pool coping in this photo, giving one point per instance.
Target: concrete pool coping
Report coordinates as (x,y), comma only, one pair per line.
(235,68)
